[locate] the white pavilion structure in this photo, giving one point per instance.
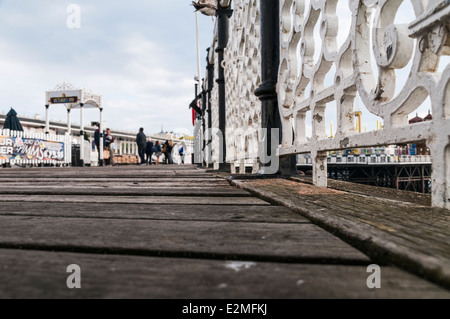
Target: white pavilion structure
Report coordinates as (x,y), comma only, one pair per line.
(66,94)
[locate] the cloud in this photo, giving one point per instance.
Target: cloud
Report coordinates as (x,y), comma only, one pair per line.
(139,56)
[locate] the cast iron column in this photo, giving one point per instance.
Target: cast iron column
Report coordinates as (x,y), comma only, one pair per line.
(223,16)
(81,135)
(267,91)
(210,69)
(203,122)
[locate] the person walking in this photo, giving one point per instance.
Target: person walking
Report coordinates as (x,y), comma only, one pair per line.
(141,141)
(158,153)
(97,140)
(169,149)
(181,153)
(109,139)
(164,151)
(149,153)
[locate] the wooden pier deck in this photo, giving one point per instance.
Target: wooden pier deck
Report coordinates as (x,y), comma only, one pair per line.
(171,232)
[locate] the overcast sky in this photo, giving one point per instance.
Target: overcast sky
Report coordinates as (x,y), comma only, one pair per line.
(139,55)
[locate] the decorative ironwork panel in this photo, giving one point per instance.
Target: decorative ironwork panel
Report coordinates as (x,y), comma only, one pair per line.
(365,65)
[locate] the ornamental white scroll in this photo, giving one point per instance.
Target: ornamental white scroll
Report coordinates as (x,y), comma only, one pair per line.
(243,76)
(373,32)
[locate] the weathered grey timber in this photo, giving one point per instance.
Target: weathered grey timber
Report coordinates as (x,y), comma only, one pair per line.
(378,192)
(114,276)
(411,236)
(150,199)
(228,213)
(172,235)
(114,190)
(255,241)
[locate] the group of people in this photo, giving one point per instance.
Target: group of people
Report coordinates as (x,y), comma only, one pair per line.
(147,148)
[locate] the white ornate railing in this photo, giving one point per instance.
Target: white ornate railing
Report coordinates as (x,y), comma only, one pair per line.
(243,76)
(317,71)
(302,86)
(214,144)
(242,67)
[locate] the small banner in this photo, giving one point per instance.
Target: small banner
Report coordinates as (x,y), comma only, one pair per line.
(18,148)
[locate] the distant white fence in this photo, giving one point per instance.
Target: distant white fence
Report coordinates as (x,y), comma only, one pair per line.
(127,147)
(305,159)
(26,148)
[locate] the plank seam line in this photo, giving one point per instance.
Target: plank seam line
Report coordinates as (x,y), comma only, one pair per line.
(99,194)
(187,255)
(266,204)
(159,219)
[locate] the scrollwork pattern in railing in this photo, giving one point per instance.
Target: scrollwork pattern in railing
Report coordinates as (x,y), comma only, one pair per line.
(243,76)
(374,34)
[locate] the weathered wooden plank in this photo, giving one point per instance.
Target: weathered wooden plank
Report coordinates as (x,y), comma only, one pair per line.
(432,237)
(111,174)
(414,237)
(105,185)
(128,191)
(374,191)
(180,238)
(161,200)
(151,182)
(34,274)
(171,168)
(105,175)
(261,214)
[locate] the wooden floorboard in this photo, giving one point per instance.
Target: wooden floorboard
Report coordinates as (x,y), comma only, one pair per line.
(33,274)
(230,213)
(161,237)
(157,200)
(183,232)
(412,236)
(111,190)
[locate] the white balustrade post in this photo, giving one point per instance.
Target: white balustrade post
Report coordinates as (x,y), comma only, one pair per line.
(440,176)
(320,173)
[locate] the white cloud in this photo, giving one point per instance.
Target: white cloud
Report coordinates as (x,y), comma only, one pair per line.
(140,57)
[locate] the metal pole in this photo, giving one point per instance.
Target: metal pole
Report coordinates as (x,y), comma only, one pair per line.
(203,123)
(101,138)
(197,32)
(47,120)
(223,16)
(267,91)
(198,48)
(81,135)
(69,127)
(210,68)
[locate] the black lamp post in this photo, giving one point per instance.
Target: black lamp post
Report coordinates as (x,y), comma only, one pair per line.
(223,14)
(204,107)
(267,91)
(210,86)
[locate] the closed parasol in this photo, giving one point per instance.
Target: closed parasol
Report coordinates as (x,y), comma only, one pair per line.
(12,121)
